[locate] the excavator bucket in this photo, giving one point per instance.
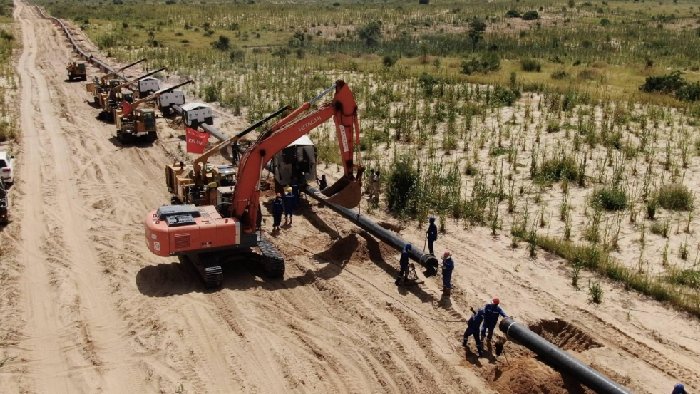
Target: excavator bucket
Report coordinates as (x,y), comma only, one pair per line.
(346,192)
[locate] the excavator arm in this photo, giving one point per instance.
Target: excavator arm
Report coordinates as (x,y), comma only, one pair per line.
(343,110)
(129,108)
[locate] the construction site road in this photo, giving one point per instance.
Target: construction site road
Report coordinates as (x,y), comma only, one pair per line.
(86,308)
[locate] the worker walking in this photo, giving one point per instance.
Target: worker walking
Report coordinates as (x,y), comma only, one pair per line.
(473,330)
(403,264)
(277,210)
(447,266)
(289,205)
(431,234)
(491,313)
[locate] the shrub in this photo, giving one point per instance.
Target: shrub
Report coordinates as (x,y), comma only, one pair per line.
(371,33)
(559,74)
(237,55)
(664,84)
(211,93)
(687,277)
(660,228)
(487,63)
(403,181)
(530,65)
(531,15)
(689,92)
(222,44)
(503,96)
(388,61)
(595,292)
(427,83)
(556,169)
(512,14)
(675,197)
(609,198)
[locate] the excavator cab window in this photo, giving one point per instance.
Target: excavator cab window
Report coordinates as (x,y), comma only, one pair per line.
(289,155)
(149,119)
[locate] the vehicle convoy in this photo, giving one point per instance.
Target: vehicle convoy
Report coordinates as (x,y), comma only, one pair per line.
(134,122)
(76,71)
(110,99)
(213,235)
(104,83)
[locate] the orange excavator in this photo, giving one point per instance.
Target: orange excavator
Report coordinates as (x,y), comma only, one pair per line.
(212,236)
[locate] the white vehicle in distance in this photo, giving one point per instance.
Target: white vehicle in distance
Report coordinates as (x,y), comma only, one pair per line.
(6,173)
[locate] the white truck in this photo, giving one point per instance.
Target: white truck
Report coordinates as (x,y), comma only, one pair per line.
(166,101)
(195,113)
(147,86)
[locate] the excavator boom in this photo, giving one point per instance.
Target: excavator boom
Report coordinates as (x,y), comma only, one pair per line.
(343,110)
(116,72)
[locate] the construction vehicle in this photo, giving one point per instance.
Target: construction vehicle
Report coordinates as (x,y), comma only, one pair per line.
(166,101)
(104,83)
(76,71)
(295,164)
(212,235)
(110,99)
(134,122)
(195,113)
(200,183)
(147,86)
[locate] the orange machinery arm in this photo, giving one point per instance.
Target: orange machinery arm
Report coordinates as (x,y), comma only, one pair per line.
(342,109)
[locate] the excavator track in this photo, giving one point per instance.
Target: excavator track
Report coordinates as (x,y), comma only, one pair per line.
(271,259)
(209,268)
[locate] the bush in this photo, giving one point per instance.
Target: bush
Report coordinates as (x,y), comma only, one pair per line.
(531,15)
(609,198)
(236,55)
(512,14)
(675,197)
(595,292)
(427,82)
(370,33)
(211,93)
(557,169)
(689,92)
(530,65)
(663,84)
(222,44)
(559,74)
(687,277)
(388,61)
(504,97)
(487,63)
(403,182)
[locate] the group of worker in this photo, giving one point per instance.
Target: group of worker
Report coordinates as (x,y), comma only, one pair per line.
(486,318)
(448,264)
(284,205)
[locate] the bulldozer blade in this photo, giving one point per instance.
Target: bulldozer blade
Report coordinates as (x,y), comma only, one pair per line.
(348,195)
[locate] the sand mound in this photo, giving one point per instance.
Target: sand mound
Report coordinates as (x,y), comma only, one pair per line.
(523,375)
(564,335)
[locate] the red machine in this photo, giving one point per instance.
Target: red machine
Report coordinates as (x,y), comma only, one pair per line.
(208,235)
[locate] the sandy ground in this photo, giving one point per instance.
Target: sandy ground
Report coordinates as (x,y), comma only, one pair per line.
(86,308)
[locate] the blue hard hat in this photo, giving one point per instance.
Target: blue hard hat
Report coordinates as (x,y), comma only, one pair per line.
(431,219)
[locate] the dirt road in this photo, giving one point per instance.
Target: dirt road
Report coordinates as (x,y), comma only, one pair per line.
(86,308)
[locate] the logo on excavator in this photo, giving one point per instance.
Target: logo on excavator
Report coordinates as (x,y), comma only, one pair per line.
(310,123)
(343,137)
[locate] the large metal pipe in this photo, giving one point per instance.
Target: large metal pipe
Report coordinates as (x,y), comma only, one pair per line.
(427,260)
(559,359)
(213,131)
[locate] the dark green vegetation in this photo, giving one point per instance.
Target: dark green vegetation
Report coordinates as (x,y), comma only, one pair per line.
(7,44)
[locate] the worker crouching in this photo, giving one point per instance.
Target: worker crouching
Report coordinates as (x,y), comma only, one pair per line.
(403,265)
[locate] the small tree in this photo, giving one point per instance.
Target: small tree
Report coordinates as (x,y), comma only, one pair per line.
(222,44)
(477,27)
(371,33)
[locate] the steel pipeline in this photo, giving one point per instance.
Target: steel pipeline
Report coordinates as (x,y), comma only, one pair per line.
(559,359)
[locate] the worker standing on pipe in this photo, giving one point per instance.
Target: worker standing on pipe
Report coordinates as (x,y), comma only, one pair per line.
(491,313)
(431,234)
(447,266)
(679,388)
(277,210)
(473,329)
(403,263)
